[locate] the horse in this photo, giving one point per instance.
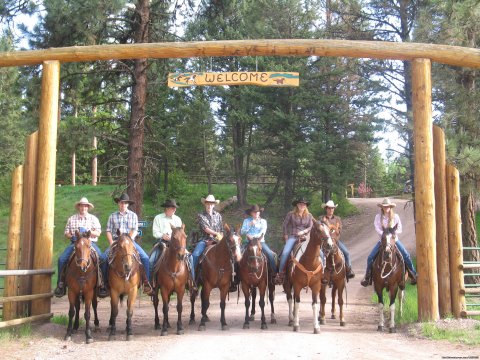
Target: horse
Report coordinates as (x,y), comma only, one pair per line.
(335,274)
(255,273)
(303,271)
(388,272)
(124,278)
(81,280)
(172,275)
(215,271)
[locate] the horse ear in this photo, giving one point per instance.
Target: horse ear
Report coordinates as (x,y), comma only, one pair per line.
(87,234)
(226,227)
(118,232)
(395,227)
(77,233)
(237,228)
(172,227)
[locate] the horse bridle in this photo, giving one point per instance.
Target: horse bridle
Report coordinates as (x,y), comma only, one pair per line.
(255,258)
(114,254)
(78,261)
(391,262)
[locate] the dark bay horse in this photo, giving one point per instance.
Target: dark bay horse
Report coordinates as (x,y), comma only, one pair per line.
(215,271)
(81,280)
(334,274)
(254,273)
(388,272)
(306,271)
(172,276)
(124,278)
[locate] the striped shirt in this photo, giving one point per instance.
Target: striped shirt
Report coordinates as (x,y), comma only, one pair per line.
(125,222)
(213,222)
(87,221)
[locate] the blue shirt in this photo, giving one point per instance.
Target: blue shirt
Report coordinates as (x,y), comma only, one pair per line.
(255,231)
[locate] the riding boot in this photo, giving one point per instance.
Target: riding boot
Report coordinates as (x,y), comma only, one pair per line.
(350,273)
(412,276)
(61,290)
(367,279)
(102,291)
(147,288)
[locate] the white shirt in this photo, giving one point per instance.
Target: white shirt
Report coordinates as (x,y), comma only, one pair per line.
(162,225)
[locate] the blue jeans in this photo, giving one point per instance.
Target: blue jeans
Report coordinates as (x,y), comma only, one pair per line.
(143,258)
(155,255)
(345,252)
(197,252)
(63,259)
(287,249)
(270,256)
(401,248)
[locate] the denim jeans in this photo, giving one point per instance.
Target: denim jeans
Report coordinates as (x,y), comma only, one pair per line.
(401,248)
(197,252)
(345,252)
(63,259)
(287,249)
(270,256)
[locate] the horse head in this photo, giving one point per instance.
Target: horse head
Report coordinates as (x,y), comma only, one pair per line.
(388,243)
(125,250)
(178,241)
(321,235)
(253,252)
(234,242)
(82,250)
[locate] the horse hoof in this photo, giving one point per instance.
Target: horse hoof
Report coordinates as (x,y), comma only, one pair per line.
(273,321)
(207,319)
(164,333)
(380,328)
(97,329)
(74,331)
(129,337)
(157,327)
(290,322)
(191,322)
(67,338)
(322,321)
(264,326)
(296,328)
(251,318)
(343,323)
(246,326)
(201,328)
(316,330)
(89,341)
(392,330)
(180,332)
(225,327)
(333,317)
(111,337)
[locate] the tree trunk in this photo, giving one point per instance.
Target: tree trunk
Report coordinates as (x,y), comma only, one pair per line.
(469,234)
(137,117)
(238,135)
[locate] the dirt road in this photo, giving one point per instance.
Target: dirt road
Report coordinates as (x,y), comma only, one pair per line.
(359,339)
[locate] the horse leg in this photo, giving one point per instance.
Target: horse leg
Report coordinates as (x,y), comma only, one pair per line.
(315,309)
(296,305)
(323,301)
(130,302)
(246,294)
(271,297)
(254,299)
(71,313)
(287,287)
(223,297)
(334,295)
(114,298)
(262,306)
(380,308)
(205,295)
(340,303)
(96,322)
(401,300)
(165,302)
(88,333)
(393,295)
(155,307)
(193,295)
(180,294)
(76,324)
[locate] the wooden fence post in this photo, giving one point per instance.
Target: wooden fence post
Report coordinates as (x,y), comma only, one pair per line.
(45,199)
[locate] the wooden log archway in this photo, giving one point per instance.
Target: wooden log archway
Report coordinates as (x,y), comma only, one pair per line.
(420,54)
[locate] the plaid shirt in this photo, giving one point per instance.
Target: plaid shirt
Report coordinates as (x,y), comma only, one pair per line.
(335,221)
(125,222)
(294,223)
(213,222)
(89,222)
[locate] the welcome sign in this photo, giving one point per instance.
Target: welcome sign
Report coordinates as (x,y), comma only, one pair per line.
(234,78)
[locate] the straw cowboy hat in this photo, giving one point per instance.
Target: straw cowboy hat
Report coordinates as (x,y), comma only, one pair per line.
(209,199)
(254,208)
(123,198)
(329,204)
(170,203)
(387,203)
(301,200)
(84,201)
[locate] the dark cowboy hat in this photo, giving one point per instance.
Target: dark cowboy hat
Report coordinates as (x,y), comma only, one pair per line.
(170,203)
(253,208)
(301,200)
(123,198)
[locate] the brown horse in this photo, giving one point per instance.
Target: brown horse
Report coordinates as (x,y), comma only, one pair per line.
(81,280)
(334,274)
(388,272)
(306,270)
(172,275)
(254,273)
(124,278)
(215,271)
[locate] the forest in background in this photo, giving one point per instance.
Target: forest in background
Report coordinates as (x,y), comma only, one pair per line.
(317,138)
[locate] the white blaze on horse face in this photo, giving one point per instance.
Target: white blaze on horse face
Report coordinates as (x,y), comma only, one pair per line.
(238,251)
(327,232)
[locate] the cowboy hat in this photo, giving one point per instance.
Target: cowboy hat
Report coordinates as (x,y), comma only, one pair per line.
(84,201)
(329,204)
(301,200)
(123,198)
(170,203)
(209,199)
(254,208)
(387,203)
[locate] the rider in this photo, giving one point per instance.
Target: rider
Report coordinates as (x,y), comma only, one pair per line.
(336,221)
(296,225)
(211,227)
(126,221)
(85,221)
(387,218)
(162,229)
(256,227)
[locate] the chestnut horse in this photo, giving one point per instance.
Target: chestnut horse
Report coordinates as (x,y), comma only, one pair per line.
(388,272)
(334,274)
(303,271)
(255,273)
(124,278)
(81,280)
(172,275)
(215,271)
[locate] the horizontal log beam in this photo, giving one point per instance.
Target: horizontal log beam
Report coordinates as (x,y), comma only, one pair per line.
(4,324)
(444,54)
(26,272)
(466,313)
(469,266)
(470,291)
(5,299)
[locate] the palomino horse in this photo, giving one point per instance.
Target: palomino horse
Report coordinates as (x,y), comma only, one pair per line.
(388,272)
(215,271)
(306,270)
(124,278)
(81,280)
(255,273)
(172,275)
(334,274)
